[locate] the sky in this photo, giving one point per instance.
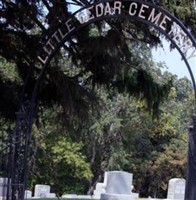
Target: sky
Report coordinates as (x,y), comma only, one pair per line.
(171,58)
(173,61)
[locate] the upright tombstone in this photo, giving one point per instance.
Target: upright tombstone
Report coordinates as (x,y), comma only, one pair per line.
(147,12)
(119,182)
(119,186)
(176,188)
(50,195)
(105,179)
(41,190)
(100,187)
(3,187)
(28,194)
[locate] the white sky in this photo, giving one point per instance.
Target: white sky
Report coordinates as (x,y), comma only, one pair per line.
(173,61)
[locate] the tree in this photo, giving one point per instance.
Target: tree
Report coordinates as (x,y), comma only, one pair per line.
(71,86)
(184,10)
(22,30)
(57,159)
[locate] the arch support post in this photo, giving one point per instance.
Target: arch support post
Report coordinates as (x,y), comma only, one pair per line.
(18,161)
(190,190)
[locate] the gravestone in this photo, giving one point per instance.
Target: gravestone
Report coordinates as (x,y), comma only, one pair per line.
(105,179)
(176,188)
(28,194)
(69,196)
(75,196)
(3,186)
(83,197)
(50,195)
(41,190)
(99,189)
(119,186)
(119,182)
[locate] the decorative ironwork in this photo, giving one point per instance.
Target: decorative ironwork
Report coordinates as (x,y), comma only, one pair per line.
(191,167)
(15,146)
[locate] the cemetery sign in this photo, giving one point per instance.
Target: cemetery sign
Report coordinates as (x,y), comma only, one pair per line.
(134,10)
(139,10)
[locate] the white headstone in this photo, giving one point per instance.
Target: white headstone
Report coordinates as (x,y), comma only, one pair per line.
(83,197)
(99,189)
(135,195)
(176,188)
(69,196)
(108,196)
(119,186)
(119,182)
(3,186)
(41,190)
(99,186)
(28,194)
(50,195)
(105,179)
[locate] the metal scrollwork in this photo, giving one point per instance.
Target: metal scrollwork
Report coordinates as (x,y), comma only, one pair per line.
(15,146)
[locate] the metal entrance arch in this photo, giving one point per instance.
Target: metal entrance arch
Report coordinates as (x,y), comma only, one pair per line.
(142,11)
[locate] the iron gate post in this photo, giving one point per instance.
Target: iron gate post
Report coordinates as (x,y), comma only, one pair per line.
(190,190)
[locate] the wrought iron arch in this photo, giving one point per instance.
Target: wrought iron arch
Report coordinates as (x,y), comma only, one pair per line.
(157,17)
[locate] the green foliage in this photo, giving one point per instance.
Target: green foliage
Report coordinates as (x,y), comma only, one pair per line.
(68,153)
(8,72)
(10,83)
(184,10)
(59,161)
(6,126)
(121,135)
(97,99)
(160,144)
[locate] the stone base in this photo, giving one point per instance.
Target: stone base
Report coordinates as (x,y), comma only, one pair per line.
(108,196)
